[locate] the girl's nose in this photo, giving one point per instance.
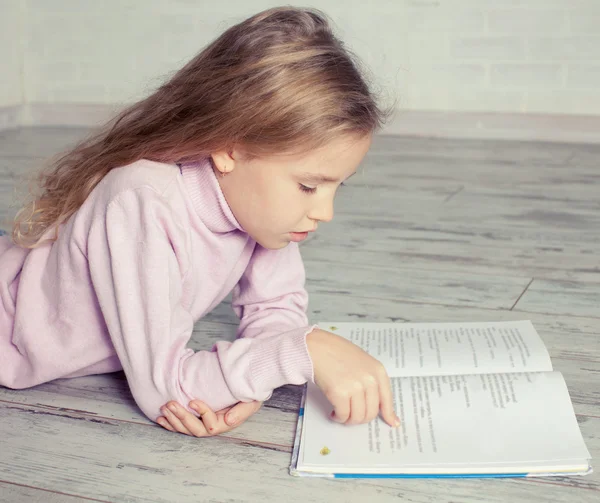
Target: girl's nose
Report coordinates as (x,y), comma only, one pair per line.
(323,212)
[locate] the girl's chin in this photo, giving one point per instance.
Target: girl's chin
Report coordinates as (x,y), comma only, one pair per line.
(273,243)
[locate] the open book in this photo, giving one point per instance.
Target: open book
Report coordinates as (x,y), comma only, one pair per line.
(474,400)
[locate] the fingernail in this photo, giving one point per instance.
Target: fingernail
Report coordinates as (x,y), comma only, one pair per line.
(397,422)
(173,407)
(232,419)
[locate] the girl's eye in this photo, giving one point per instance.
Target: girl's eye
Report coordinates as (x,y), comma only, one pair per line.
(308,190)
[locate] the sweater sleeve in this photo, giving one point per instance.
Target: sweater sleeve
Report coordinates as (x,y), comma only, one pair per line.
(138,259)
(271,301)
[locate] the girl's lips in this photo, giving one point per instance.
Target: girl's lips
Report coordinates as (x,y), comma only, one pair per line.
(298,236)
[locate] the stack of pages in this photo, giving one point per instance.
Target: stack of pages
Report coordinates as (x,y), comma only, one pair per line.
(474,400)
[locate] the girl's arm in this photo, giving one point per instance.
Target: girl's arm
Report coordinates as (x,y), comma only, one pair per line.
(270,298)
(137,257)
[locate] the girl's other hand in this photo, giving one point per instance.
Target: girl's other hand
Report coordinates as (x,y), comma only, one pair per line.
(356,384)
(176,418)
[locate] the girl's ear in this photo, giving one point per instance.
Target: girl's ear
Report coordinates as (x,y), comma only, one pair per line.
(224,161)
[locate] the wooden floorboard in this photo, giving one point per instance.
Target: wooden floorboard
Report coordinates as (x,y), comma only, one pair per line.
(429,230)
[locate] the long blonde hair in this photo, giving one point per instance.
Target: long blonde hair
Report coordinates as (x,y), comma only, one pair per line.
(277,82)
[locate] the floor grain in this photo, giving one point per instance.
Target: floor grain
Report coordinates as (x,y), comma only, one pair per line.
(429,230)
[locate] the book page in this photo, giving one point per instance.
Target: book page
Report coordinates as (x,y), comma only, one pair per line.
(449,348)
(515,419)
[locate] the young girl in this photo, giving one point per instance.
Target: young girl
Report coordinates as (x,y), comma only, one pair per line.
(203,188)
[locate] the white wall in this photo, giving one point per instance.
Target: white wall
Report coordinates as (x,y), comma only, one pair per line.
(448,55)
(11,53)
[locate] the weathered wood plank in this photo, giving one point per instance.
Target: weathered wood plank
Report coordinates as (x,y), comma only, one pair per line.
(18,167)
(574,298)
(429,287)
(9,493)
(533,153)
(39,142)
(121,461)
(422,216)
(510,169)
(272,426)
(400,249)
(496,209)
(108,396)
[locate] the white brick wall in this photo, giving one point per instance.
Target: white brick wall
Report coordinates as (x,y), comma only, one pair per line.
(539,56)
(526,76)
(454,55)
(487,48)
(584,77)
(11,75)
(565,49)
(526,22)
(585,22)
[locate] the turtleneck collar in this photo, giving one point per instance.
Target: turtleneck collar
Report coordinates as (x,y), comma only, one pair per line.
(207,196)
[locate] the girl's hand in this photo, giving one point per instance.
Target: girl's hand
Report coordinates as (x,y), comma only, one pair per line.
(175,418)
(356,384)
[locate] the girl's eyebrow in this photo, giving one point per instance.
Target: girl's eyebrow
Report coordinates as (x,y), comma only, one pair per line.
(316,179)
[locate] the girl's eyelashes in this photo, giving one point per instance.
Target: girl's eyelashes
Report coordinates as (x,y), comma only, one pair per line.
(308,190)
(312,190)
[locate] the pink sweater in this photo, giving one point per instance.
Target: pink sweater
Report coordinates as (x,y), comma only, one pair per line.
(153,249)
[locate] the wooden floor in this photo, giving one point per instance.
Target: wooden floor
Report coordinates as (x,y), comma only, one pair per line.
(432,230)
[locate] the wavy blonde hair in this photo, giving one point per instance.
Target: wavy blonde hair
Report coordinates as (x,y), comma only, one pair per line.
(279,81)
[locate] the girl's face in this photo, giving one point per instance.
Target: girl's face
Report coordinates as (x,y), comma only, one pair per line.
(280,198)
